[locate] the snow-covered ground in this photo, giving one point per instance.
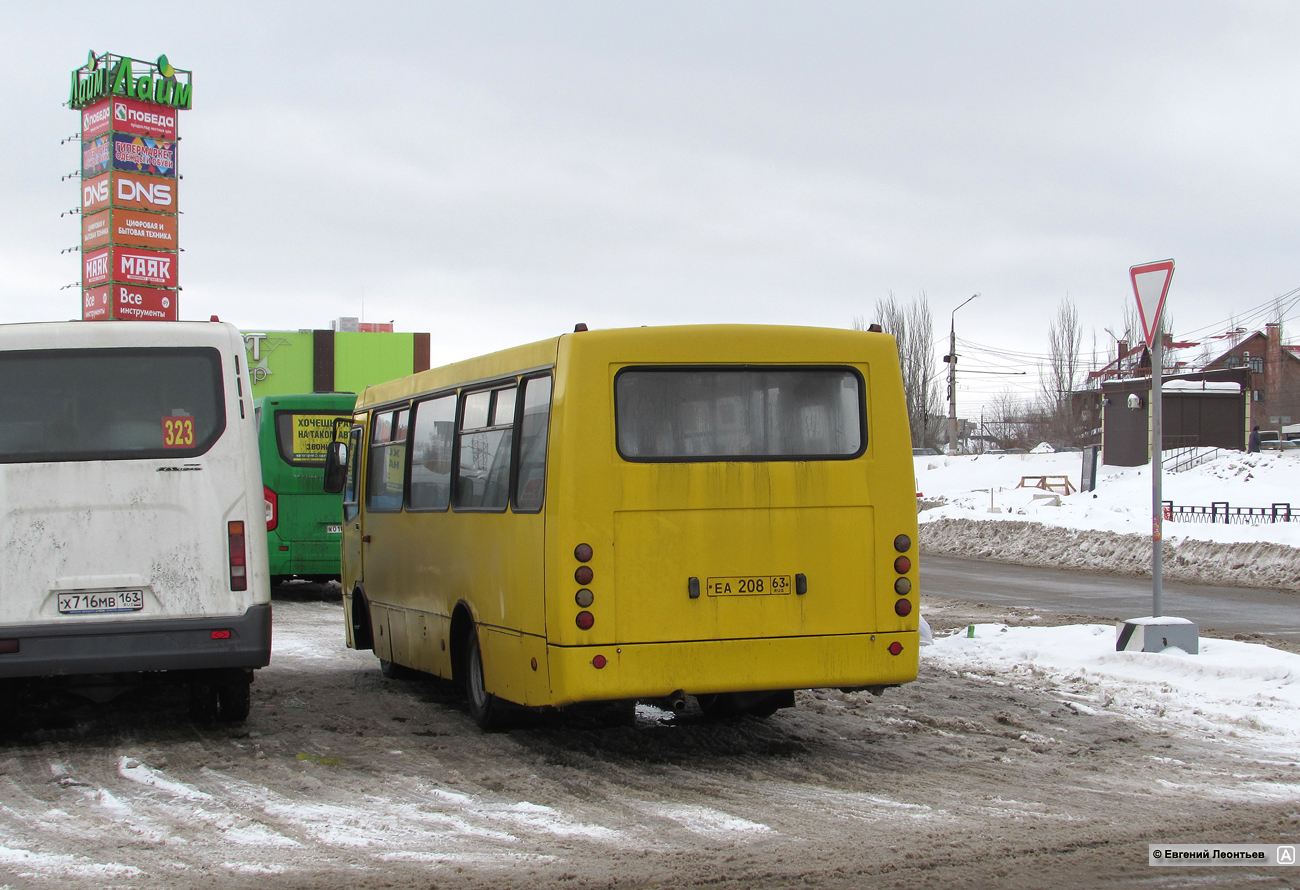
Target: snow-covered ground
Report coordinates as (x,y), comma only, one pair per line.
(1242,695)
(973,506)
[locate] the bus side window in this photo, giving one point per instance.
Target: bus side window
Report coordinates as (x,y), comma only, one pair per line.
(433,430)
(387,469)
(486,436)
(530,485)
(351,506)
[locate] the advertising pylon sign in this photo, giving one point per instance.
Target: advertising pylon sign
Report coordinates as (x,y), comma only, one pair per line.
(129,139)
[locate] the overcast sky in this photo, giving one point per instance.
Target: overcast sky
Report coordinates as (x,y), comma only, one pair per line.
(495,172)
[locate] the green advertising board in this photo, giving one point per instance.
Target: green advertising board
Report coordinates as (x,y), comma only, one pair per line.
(294,362)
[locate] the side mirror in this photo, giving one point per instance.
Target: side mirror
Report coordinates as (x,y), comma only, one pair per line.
(336,467)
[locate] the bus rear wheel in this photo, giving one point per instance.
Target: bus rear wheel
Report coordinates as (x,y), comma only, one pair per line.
(219,702)
(488,711)
(392,670)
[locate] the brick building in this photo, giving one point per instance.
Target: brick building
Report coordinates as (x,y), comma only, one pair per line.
(1274,376)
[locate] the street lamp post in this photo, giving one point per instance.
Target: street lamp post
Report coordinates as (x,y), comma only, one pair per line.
(951,359)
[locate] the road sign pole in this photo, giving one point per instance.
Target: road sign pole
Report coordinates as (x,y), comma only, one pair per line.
(1156,632)
(1157,472)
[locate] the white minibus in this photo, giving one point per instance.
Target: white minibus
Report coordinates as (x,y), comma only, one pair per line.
(131,512)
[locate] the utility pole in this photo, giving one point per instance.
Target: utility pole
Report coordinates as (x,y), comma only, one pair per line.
(951,359)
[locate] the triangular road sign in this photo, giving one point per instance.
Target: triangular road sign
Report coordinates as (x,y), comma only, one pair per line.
(1151,286)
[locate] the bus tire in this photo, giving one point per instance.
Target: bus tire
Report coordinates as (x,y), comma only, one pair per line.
(234,701)
(488,711)
(391,670)
(205,702)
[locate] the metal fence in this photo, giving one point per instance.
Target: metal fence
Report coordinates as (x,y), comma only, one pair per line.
(1221,511)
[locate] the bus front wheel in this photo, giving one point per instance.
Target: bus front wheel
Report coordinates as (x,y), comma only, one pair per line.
(488,711)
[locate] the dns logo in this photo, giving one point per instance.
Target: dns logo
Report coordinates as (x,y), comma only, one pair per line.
(95,193)
(156,193)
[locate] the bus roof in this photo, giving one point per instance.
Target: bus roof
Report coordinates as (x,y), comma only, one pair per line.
(111,334)
(689,341)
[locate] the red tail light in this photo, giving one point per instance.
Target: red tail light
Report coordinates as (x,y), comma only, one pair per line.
(902,565)
(585,620)
(895,647)
(272,503)
(238,557)
(903,607)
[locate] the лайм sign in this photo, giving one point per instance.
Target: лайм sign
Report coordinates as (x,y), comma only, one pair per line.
(129,190)
(111,75)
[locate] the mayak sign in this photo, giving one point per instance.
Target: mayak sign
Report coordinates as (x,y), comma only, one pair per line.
(111,75)
(131,265)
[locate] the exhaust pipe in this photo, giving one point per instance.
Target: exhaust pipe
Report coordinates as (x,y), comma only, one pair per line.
(677,702)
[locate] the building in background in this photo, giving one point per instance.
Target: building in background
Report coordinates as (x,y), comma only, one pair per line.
(332,359)
(1273,369)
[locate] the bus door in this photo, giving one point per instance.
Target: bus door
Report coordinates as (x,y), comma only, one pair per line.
(352,567)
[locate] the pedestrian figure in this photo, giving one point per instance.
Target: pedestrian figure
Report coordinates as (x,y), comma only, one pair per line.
(1253,445)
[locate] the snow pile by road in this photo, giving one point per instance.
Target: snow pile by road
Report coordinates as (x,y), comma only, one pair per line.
(1235,693)
(973,506)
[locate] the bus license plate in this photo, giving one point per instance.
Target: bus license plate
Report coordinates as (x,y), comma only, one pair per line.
(103,601)
(334,529)
(749,585)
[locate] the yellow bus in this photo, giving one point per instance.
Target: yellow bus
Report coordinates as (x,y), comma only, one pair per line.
(719,511)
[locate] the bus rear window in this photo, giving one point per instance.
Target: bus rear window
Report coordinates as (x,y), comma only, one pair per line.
(109,404)
(693,414)
(304,436)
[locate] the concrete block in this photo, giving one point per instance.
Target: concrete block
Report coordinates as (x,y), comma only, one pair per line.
(1156,635)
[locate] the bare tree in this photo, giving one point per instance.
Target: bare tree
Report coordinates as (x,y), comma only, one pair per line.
(913,329)
(1064,341)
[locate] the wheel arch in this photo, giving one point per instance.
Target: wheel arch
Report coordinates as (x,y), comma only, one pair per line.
(462,625)
(363,633)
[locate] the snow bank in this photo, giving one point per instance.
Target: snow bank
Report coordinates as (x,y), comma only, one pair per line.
(972,506)
(1238,693)
(1037,544)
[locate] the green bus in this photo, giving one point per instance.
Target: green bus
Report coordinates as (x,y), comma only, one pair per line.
(303,524)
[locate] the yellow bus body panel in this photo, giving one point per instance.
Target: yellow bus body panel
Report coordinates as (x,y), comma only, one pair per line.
(652,527)
(657,670)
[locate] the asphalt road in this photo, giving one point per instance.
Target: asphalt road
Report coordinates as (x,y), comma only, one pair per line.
(1231,610)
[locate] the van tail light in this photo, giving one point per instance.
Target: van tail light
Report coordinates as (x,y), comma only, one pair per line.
(238,557)
(272,503)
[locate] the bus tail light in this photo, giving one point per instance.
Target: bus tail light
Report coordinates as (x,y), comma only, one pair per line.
(903,607)
(902,565)
(599,662)
(895,648)
(272,504)
(585,620)
(238,556)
